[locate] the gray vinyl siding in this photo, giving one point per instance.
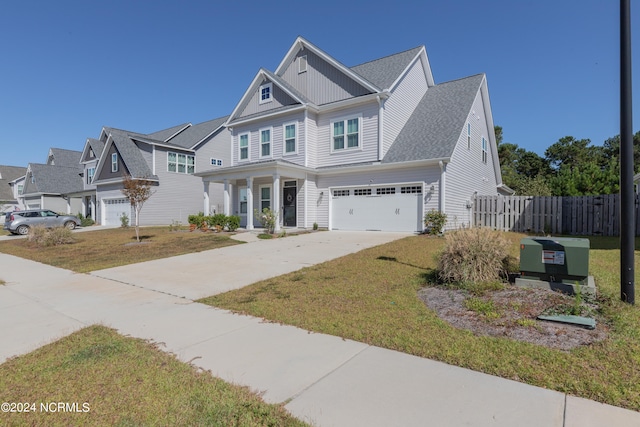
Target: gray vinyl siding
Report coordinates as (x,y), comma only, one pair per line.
(87,166)
(311,142)
(467,173)
(106,173)
(147,154)
(368,150)
(402,102)
(277,140)
(217,146)
(279,98)
(322,83)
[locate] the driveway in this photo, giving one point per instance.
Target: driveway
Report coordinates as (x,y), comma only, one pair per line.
(202,274)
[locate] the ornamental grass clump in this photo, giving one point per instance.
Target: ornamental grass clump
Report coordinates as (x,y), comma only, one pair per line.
(50,237)
(474,256)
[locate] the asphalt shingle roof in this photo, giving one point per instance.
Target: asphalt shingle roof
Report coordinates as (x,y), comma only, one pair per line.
(433,129)
(54,179)
(384,71)
(97,146)
(130,153)
(165,134)
(8,174)
(69,158)
(196,133)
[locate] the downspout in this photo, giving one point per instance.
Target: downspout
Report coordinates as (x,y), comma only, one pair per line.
(153,159)
(306,151)
(380,126)
(442,186)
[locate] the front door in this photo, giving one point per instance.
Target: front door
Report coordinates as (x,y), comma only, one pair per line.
(289,204)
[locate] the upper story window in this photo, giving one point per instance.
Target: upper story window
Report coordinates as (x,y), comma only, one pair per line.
(90,173)
(114,162)
(302,64)
(290,138)
(468,136)
(216,162)
(484,150)
(265,92)
(243,146)
(265,142)
(181,163)
(20,188)
(346,133)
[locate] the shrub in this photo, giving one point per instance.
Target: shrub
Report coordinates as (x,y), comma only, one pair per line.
(217,221)
(434,221)
(474,255)
(233,222)
(52,237)
(124,220)
(315,225)
(197,220)
(267,218)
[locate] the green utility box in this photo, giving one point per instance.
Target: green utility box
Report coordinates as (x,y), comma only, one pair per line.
(559,263)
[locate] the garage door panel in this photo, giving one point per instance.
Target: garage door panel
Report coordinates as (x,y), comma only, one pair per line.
(113,210)
(395,212)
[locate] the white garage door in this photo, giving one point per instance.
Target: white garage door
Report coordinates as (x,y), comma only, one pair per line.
(395,208)
(113,210)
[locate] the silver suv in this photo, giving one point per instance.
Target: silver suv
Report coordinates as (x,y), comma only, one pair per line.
(19,222)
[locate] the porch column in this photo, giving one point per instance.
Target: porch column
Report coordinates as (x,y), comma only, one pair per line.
(84,206)
(94,215)
(276,200)
(250,203)
(206,198)
(227,198)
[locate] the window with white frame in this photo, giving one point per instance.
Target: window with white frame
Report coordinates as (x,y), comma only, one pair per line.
(290,138)
(20,188)
(265,198)
(181,163)
(468,136)
(346,133)
(114,162)
(90,173)
(242,197)
(265,142)
(216,162)
(243,146)
(265,92)
(484,150)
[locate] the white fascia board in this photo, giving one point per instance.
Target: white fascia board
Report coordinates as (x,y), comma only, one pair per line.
(383,166)
(102,160)
(350,102)
(266,116)
(406,70)
(188,125)
(255,169)
(486,105)
(427,67)
(160,144)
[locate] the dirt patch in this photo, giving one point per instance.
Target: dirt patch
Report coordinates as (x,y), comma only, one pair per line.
(512,314)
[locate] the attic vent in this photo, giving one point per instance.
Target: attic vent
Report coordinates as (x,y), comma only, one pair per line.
(302,64)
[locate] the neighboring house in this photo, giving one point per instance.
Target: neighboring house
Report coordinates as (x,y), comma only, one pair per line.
(370,147)
(167,158)
(50,185)
(11,186)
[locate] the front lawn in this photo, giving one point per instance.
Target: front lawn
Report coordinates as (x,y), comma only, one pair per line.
(371,296)
(95,250)
(102,378)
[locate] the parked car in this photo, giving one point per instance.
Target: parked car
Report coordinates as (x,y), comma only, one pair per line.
(19,222)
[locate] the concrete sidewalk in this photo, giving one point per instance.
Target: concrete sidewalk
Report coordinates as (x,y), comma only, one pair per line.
(324,379)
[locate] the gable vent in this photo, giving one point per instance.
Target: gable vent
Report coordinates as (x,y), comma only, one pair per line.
(302,64)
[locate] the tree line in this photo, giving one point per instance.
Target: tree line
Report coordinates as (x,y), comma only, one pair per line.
(569,167)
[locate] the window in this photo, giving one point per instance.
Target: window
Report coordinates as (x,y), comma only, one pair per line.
(468,136)
(20,188)
(244,147)
(302,64)
(114,162)
(91,153)
(216,162)
(362,192)
(290,138)
(413,189)
(341,193)
(33,179)
(181,163)
(386,190)
(349,130)
(265,93)
(242,193)
(265,198)
(484,150)
(90,173)
(265,143)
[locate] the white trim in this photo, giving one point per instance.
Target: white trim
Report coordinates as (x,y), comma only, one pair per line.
(177,163)
(248,158)
(260,143)
(269,92)
(345,120)
(284,139)
(114,162)
(240,188)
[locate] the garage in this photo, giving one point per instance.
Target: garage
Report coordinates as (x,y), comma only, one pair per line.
(113,210)
(388,208)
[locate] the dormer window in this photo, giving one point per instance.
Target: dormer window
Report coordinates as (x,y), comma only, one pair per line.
(114,162)
(91,154)
(265,92)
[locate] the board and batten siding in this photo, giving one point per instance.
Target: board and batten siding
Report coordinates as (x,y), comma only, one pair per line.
(279,98)
(322,83)
(368,149)
(467,173)
(402,102)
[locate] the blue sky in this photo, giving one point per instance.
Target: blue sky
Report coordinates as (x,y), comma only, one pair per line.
(71,67)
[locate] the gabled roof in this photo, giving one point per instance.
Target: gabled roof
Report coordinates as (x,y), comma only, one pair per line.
(195,134)
(129,153)
(166,134)
(385,71)
(53,179)
(433,129)
(8,174)
(62,157)
(94,144)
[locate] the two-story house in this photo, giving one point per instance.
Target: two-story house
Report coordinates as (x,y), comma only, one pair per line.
(369,147)
(168,159)
(11,186)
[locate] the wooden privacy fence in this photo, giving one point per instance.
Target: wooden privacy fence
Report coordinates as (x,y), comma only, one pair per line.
(582,215)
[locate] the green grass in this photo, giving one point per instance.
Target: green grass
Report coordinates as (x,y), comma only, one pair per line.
(95,250)
(371,297)
(126,382)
